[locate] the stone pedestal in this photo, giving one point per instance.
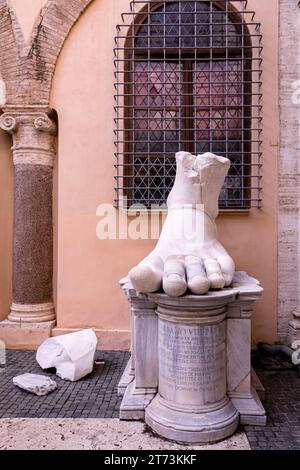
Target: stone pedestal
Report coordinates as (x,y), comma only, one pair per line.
(201,347)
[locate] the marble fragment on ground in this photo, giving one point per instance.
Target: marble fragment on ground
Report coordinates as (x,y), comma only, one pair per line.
(38,384)
(72,355)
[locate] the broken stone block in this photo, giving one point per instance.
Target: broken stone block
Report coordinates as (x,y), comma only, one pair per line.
(72,355)
(38,384)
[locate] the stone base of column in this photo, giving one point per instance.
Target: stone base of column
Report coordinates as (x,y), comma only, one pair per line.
(35,313)
(27,336)
(192,426)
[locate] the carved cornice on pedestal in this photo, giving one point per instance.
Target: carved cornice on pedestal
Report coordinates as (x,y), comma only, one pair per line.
(33,136)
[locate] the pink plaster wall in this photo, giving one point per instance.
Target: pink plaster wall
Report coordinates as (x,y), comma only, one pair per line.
(87,270)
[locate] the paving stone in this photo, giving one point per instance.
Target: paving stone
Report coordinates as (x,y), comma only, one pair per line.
(96,434)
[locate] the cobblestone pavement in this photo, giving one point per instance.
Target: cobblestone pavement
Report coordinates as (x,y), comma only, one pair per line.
(282,404)
(95,396)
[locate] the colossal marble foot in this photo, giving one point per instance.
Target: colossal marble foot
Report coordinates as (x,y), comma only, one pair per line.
(194,261)
(183,273)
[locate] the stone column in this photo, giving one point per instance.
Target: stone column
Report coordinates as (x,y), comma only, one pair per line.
(34,150)
(146,361)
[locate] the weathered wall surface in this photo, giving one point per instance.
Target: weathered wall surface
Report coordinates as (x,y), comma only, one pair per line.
(289,166)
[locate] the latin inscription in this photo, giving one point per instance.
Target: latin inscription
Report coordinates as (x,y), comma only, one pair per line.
(192,362)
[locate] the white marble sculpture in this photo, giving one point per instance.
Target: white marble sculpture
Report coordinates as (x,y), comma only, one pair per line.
(189,259)
(72,355)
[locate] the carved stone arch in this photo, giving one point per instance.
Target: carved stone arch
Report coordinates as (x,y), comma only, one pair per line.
(28,70)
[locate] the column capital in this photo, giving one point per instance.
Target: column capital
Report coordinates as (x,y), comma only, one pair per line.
(11,121)
(33,132)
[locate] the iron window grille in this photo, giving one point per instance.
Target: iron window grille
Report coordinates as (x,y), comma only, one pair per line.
(187,77)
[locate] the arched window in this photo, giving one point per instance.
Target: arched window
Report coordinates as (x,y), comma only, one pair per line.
(187,78)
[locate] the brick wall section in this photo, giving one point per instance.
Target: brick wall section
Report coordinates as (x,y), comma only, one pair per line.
(9,61)
(28,71)
(289,166)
